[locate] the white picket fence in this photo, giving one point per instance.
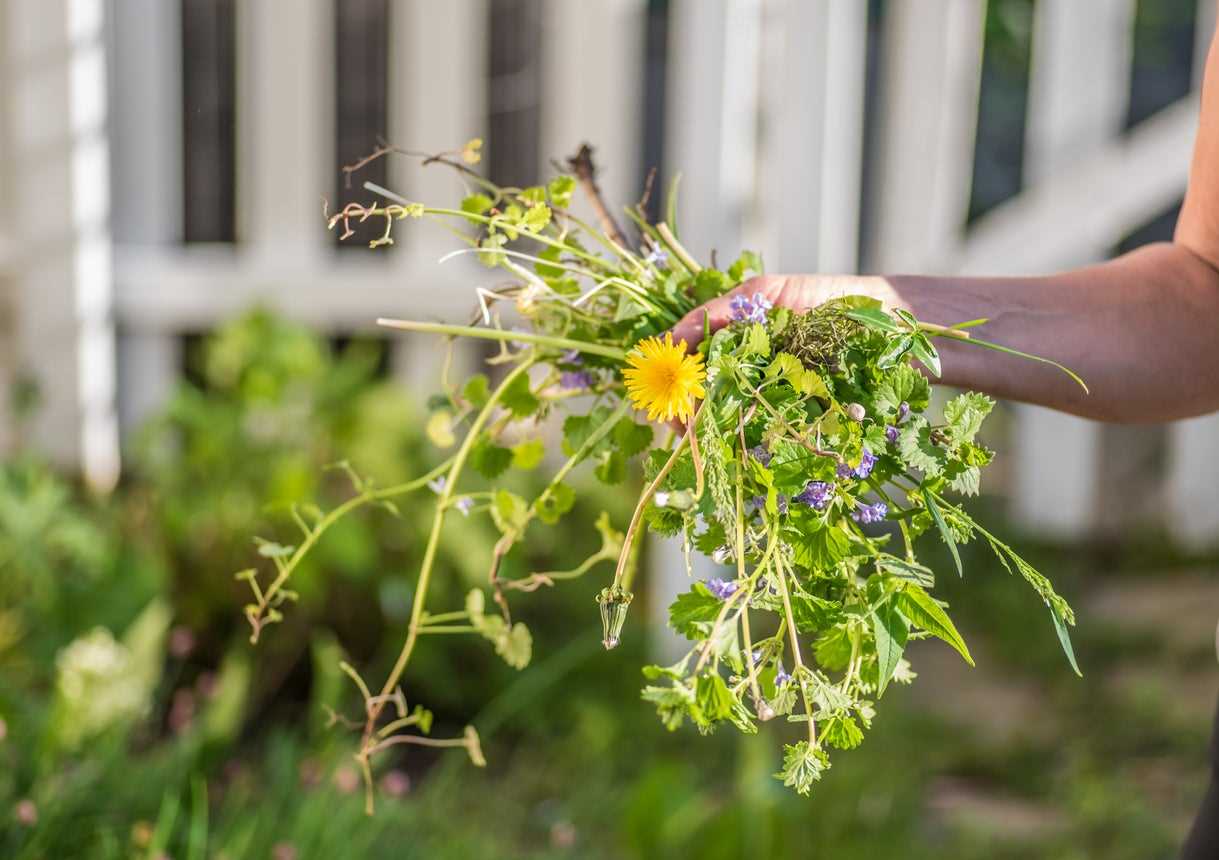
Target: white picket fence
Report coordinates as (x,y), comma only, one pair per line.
(765,120)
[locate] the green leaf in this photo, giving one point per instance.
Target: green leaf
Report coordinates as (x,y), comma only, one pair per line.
(509,511)
(440,429)
(578,428)
(874,318)
(271,549)
(709,284)
(922,349)
(630,438)
(802,766)
(891,632)
(894,352)
(476,204)
(528,454)
(561,189)
(833,649)
(964,415)
(934,508)
(488,459)
(713,698)
(903,384)
(692,608)
(813,613)
(536,218)
(612,469)
(557,501)
(918,451)
(477,390)
(821,549)
(921,610)
(910,571)
(519,399)
(841,732)
(1064,637)
(749,261)
(964,479)
(515,646)
(757,342)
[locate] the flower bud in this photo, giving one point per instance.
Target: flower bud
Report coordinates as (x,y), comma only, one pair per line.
(855,412)
(613,602)
(765,712)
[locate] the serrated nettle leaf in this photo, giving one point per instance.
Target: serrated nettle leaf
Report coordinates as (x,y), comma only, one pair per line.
(841,732)
(902,384)
(630,438)
(714,700)
(561,189)
(802,766)
(890,631)
(921,610)
(693,608)
(476,391)
(612,469)
(476,204)
(910,571)
(964,414)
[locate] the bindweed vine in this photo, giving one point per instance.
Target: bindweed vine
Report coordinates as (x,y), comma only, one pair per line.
(808,461)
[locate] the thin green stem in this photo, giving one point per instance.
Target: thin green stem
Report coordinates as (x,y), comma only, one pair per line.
(433,544)
(795,641)
(502,335)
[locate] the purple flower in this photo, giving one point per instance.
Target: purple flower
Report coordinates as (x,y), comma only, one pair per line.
(891,433)
(758,502)
(464,504)
(759,453)
(751,310)
(816,494)
(781,502)
(782,677)
(756,655)
(903,410)
(866,462)
(844,469)
(865,514)
(657,257)
(721,588)
(571,356)
(573,379)
(436,485)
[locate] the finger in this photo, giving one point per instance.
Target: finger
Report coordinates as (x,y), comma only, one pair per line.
(717,312)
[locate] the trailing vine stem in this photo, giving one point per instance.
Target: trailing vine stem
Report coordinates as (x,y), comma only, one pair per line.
(433,544)
(265,600)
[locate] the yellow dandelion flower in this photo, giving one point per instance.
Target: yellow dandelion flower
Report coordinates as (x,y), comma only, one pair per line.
(663,379)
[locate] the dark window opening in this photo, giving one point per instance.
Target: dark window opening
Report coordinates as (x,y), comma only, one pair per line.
(655,76)
(872,106)
(515,80)
(361,31)
(208,111)
(998,169)
(1162,66)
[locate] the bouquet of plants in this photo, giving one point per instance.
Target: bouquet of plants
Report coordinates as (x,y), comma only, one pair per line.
(797,449)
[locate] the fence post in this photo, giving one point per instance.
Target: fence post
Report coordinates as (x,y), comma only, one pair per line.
(58,181)
(926,128)
(814,65)
(146,164)
(285,143)
(1077,102)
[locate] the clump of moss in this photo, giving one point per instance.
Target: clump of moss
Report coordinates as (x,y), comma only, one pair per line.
(817,337)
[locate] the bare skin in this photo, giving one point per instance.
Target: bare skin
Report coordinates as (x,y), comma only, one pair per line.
(1142,329)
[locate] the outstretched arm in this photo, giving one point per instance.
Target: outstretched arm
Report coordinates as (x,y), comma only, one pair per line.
(1142,329)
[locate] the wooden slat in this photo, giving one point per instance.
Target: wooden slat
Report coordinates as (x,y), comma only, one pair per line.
(813,99)
(58,179)
(285,144)
(927,123)
(592,79)
(1078,92)
(711,123)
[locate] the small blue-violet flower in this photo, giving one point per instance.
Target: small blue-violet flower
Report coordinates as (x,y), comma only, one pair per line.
(436,485)
(658,257)
(891,433)
(721,588)
(571,356)
(751,310)
(759,453)
(464,504)
(782,677)
(575,379)
(816,494)
(874,513)
(903,409)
